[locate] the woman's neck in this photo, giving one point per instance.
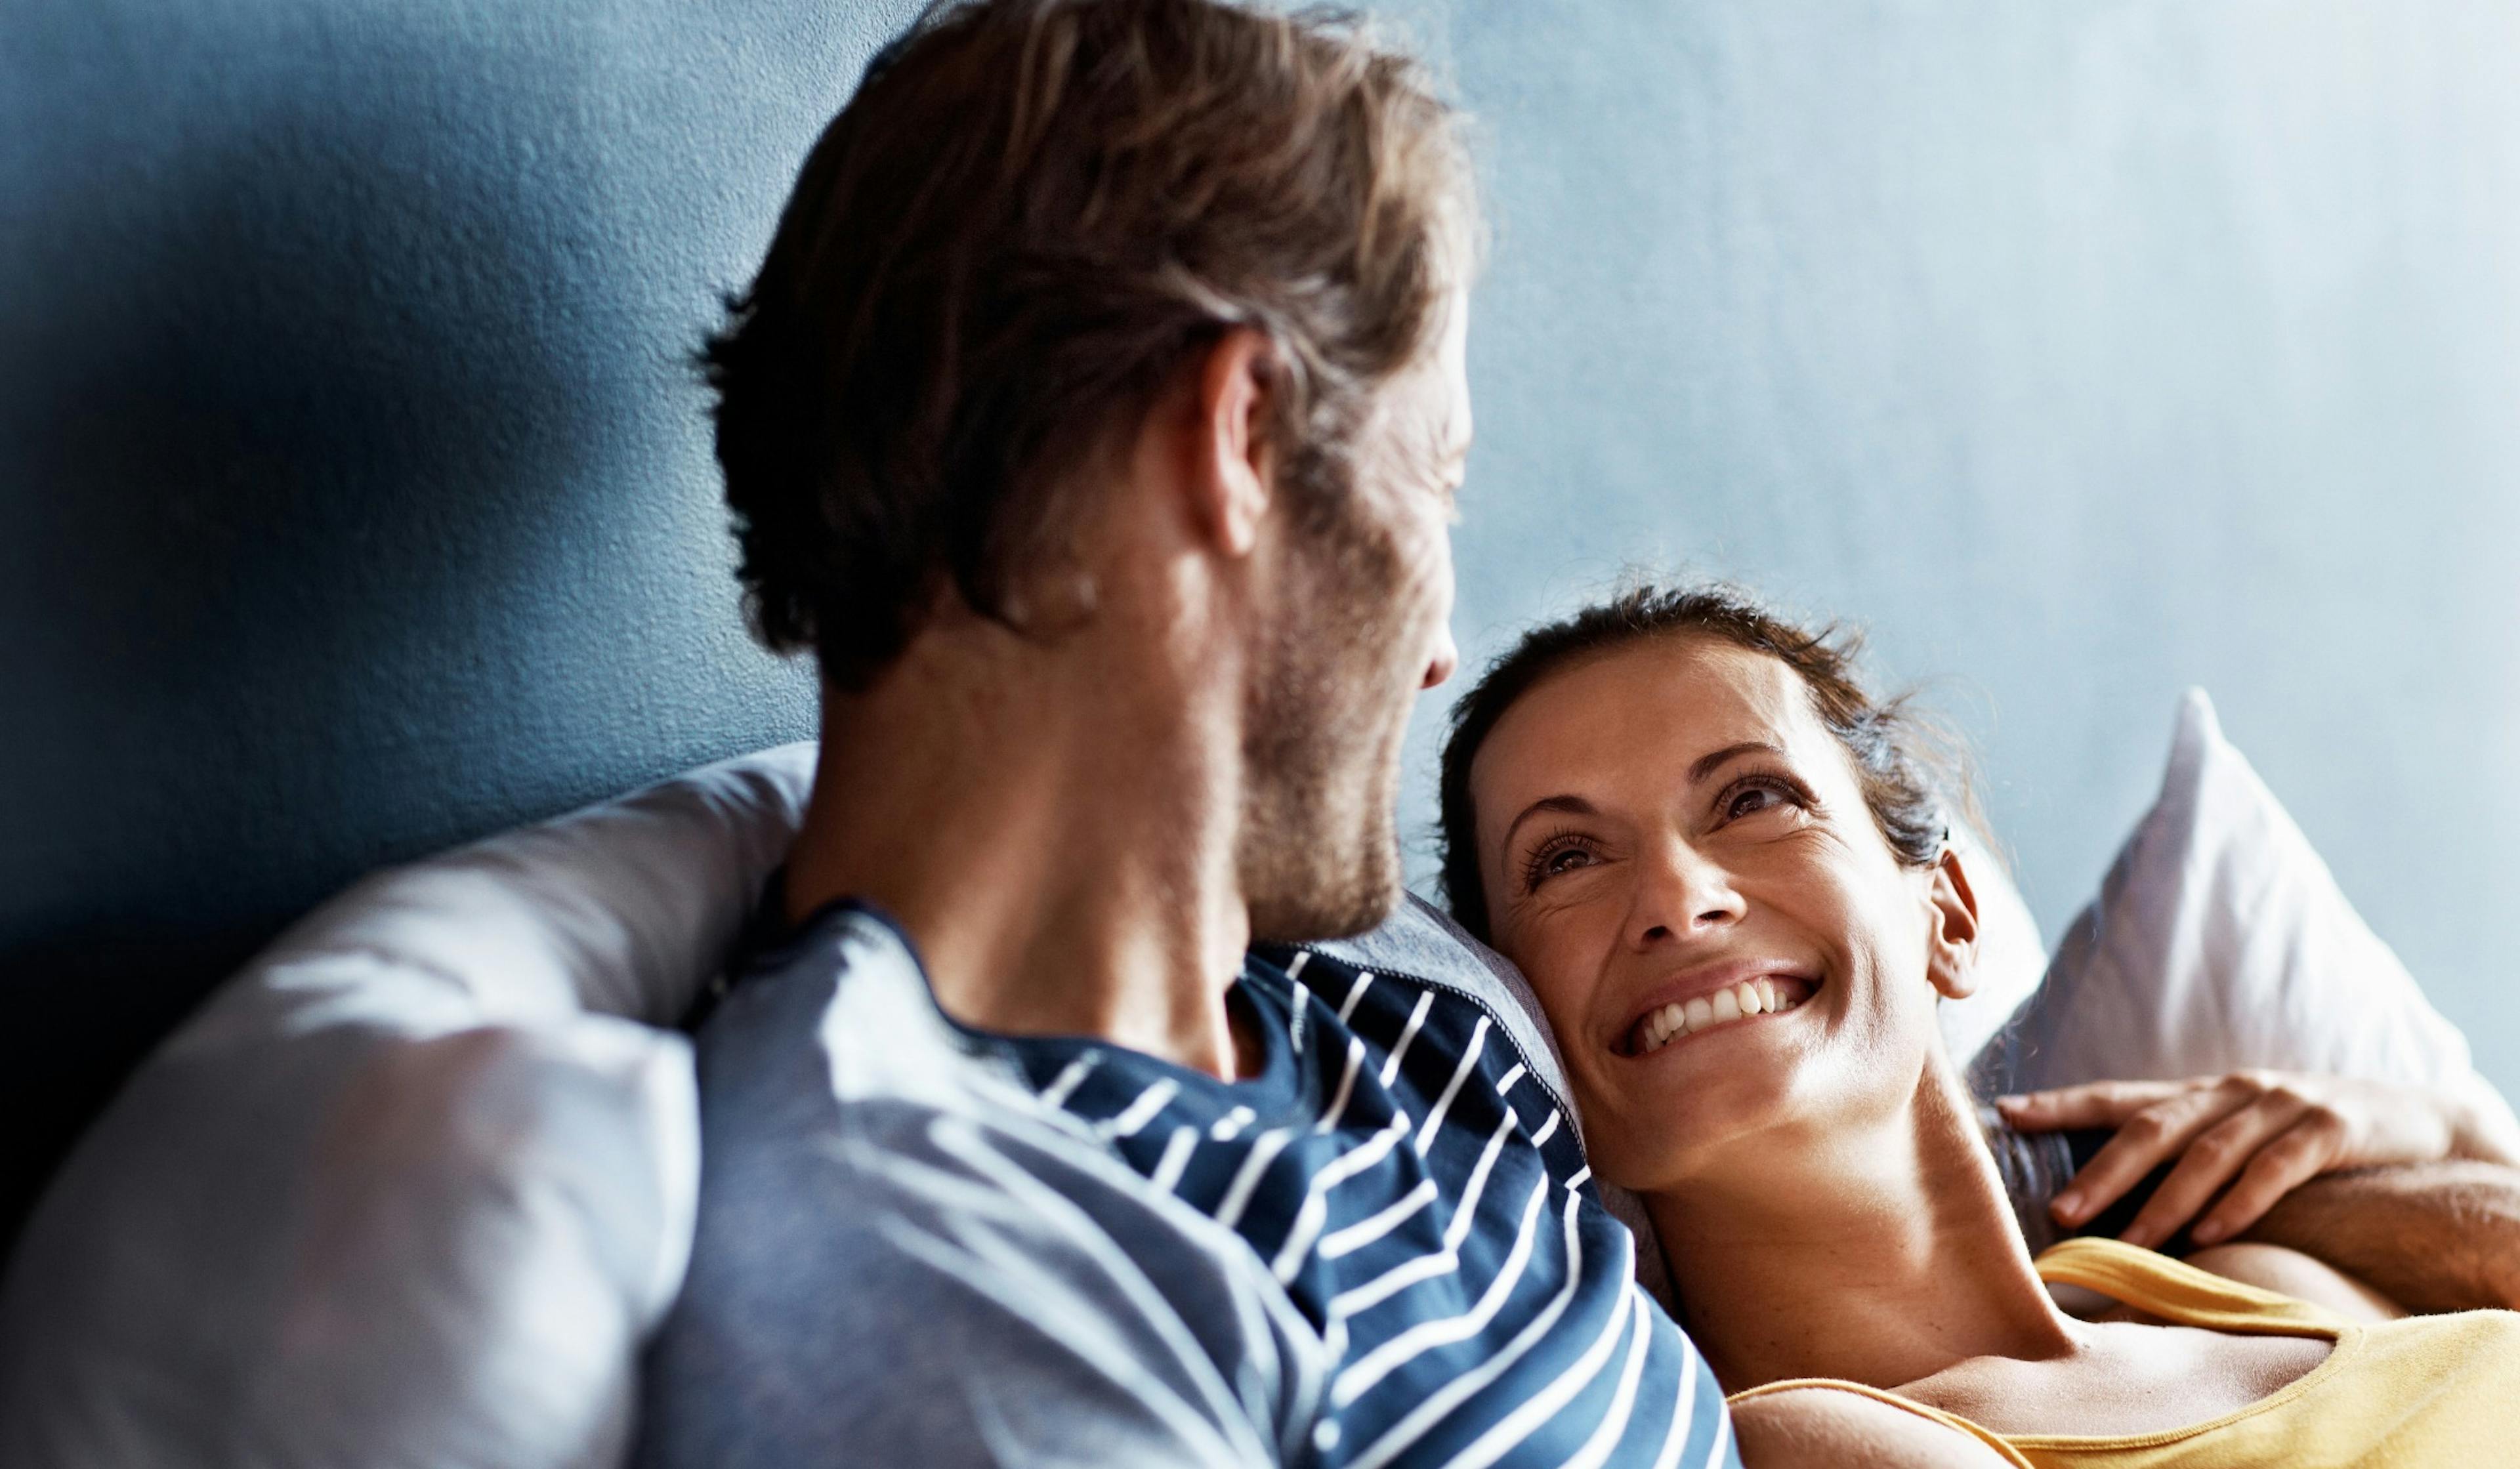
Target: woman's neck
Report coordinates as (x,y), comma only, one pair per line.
(1881,1253)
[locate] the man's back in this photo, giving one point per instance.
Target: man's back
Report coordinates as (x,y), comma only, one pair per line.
(1095,418)
(920,1243)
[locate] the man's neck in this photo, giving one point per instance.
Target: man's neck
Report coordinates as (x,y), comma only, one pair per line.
(1064,858)
(1881,1253)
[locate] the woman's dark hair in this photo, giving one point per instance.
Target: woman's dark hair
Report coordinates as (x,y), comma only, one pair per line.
(1910,771)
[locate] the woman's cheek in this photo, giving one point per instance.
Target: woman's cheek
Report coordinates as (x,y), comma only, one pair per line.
(1560,985)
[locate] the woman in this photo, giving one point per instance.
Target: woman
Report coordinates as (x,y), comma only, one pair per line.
(1723,867)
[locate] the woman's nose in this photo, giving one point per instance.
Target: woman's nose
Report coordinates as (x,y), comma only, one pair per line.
(1684,895)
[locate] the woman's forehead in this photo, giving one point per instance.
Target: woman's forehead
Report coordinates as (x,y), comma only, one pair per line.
(1649,707)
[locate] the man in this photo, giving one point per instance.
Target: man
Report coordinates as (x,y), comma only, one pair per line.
(1094,419)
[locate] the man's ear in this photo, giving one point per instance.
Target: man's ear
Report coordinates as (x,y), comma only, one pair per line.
(1230,463)
(1951,940)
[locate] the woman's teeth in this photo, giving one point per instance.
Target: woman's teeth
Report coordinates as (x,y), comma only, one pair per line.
(1752,996)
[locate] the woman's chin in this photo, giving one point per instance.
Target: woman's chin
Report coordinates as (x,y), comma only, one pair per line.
(1656,1113)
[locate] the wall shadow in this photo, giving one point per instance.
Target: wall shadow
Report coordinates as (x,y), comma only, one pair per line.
(282,403)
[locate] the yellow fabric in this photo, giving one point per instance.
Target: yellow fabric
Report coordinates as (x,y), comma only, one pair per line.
(2422,1392)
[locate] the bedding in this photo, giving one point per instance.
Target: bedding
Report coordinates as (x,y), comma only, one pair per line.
(415,1184)
(2218,941)
(412,1187)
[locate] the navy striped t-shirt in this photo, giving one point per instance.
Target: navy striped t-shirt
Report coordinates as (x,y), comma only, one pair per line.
(921,1242)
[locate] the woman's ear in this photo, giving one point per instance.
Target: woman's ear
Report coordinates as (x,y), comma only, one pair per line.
(1950,938)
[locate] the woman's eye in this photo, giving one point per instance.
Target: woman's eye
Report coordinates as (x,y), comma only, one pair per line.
(1566,861)
(1757,795)
(1549,861)
(1751,802)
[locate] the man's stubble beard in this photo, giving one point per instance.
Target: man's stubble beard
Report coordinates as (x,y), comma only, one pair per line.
(1319,851)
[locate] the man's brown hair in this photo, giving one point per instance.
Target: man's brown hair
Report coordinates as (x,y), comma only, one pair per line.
(1029,218)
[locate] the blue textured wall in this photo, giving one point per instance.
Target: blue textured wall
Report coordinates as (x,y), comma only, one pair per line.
(2083,351)
(354,487)
(354,495)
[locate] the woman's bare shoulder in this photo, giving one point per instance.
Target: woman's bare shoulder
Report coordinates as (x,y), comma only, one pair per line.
(2122,1377)
(1794,1425)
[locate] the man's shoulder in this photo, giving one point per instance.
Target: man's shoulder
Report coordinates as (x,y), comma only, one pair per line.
(903,1252)
(1420,943)
(832,1086)
(839,1010)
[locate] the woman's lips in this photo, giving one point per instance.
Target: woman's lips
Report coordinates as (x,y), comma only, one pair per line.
(1743,999)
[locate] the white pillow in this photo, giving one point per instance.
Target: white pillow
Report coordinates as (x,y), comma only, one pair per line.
(2218,941)
(412,1187)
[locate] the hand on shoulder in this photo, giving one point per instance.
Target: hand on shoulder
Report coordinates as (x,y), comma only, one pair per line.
(2249,1136)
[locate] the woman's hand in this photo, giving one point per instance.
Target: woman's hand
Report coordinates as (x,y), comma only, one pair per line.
(2262,1133)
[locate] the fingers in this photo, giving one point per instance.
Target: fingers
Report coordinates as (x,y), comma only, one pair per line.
(2218,1155)
(2307,1149)
(2094,1104)
(2145,1140)
(2251,1137)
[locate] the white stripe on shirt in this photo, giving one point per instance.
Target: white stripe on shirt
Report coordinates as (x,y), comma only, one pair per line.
(1303,1001)
(1468,1208)
(1683,1412)
(1453,1088)
(1365,1231)
(1067,1081)
(1346,1087)
(1508,1432)
(1722,1440)
(1315,1207)
(1596,1449)
(1142,1111)
(1358,1300)
(1388,1357)
(1355,992)
(1397,1438)
(1238,1197)
(1408,1033)
(1175,1158)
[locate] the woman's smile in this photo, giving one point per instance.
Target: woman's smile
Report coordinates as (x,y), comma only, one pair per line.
(1682,850)
(1704,1005)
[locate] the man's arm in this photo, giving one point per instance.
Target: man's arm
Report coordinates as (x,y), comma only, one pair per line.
(2431,1236)
(2230,1146)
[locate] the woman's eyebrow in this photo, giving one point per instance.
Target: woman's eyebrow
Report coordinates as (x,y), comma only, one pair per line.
(1570,805)
(1698,770)
(1707,765)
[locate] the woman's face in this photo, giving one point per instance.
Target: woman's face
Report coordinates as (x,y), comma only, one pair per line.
(1677,853)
